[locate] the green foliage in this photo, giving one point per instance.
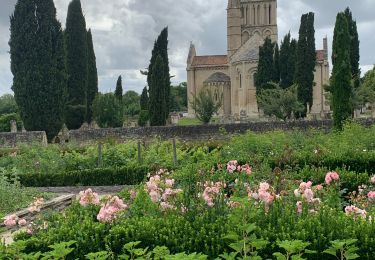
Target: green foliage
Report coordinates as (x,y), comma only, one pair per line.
(305,61)
(288,61)
(8,104)
(343,249)
(92,77)
(276,64)
(179,97)
(107,110)
(143,101)
(14,196)
(205,105)
(354,48)
(341,87)
(294,250)
(158,102)
(143,118)
(281,103)
(77,65)
(37,46)
(131,103)
(158,79)
(264,74)
(5,121)
(118,90)
(366,92)
(87,177)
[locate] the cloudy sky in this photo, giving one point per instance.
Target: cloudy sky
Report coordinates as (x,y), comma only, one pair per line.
(124,32)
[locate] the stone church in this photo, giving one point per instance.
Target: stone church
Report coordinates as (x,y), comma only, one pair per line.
(231,76)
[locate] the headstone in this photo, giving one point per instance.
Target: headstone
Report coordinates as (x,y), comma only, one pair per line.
(94,125)
(13,126)
(175,117)
(85,126)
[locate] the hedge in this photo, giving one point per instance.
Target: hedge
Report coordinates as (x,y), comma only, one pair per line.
(87,177)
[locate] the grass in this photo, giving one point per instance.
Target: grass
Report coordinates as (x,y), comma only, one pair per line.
(189,121)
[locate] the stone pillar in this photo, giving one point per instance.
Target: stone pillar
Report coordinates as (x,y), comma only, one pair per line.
(13,126)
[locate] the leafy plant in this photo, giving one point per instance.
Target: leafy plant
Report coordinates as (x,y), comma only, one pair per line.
(294,250)
(343,249)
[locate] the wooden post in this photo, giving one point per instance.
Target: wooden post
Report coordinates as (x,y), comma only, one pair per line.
(174,152)
(139,153)
(100,155)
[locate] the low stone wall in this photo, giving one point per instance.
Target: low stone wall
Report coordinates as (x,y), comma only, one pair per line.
(202,132)
(15,139)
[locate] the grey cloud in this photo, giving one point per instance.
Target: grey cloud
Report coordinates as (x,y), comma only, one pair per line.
(124,32)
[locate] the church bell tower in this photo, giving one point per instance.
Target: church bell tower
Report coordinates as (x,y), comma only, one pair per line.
(246,18)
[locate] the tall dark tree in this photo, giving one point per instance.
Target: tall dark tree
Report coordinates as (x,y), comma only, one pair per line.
(341,74)
(354,48)
(276,64)
(161,49)
(144,99)
(306,60)
(38,65)
(92,78)
(157,93)
(264,74)
(118,91)
(287,61)
(77,57)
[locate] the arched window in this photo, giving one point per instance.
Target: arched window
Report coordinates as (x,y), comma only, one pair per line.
(240,80)
(258,15)
(254,16)
(265,20)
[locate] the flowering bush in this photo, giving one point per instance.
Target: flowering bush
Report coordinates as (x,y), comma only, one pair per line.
(88,197)
(36,205)
(332,176)
(110,210)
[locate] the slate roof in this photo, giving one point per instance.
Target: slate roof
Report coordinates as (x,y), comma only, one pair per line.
(217,77)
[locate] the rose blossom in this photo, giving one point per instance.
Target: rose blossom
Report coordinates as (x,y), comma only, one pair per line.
(331,176)
(308,195)
(319,187)
(88,197)
(11,220)
(372,180)
(299,207)
(371,195)
(22,222)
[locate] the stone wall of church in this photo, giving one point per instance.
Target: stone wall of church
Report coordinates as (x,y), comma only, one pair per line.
(321,78)
(196,77)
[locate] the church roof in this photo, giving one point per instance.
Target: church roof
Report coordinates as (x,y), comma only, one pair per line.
(217,77)
(212,60)
(249,51)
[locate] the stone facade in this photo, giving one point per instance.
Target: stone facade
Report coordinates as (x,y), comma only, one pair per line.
(231,76)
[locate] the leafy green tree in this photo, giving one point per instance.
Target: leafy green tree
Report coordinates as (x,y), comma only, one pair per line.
(306,61)
(118,91)
(205,105)
(157,93)
(38,65)
(287,61)
(279,102)
(107,110)
(143,118)
(131,103)
(77,65)
(366,92)
(264,74)
(144,99)
(8,104)
(341,87)
(5,121)
(354,48)
(92,78)
(179,97)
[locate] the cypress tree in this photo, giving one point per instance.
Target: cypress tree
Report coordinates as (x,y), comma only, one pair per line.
(264,73)
(161,48)
(306,60)
(144,99)
(38,65)
(354,48)
(288,60)
(157,93)
(118,91)
(341,74)
(92,78)
(276,65)
(76,47)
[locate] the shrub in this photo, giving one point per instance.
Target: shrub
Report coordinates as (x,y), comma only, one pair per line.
(87,177)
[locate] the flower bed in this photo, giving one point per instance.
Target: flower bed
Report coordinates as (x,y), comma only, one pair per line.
(234,211)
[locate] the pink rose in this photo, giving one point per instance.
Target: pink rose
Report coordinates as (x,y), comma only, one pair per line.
(11,220)
(319,187)
(372,180)
(371,195)
(331,176)
(22,222)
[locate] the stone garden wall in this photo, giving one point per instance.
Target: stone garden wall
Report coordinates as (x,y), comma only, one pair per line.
(202,132)
(15,139)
